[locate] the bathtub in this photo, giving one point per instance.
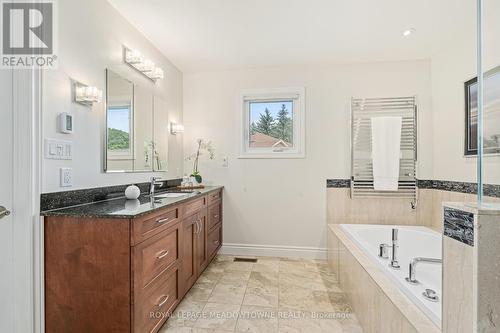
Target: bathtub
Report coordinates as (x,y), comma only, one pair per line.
(414,241)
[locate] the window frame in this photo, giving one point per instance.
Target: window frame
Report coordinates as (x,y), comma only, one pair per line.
(127,154)
(297,96)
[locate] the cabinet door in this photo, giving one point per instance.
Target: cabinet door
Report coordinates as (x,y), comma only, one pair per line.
(201,242)
(189,240)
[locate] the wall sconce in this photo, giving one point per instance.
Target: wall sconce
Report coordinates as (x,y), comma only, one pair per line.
(176,128)
(87,95)
(145,66)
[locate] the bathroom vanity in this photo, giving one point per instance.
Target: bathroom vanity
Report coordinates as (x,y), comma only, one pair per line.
(117,266)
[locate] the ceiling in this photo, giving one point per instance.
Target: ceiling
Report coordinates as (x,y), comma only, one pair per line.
(205,35)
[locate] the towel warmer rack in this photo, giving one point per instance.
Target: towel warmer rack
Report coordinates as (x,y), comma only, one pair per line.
(362,110)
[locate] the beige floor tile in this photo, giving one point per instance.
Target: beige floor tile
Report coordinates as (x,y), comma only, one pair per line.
(174,329)
(255,319)
(186,314)
(241,266)
(208,330)
(219,316)
(295,285)
(263,279)
(235,278)
(293,298)
(210,277)
(228,294)
(262,296)
(199,292)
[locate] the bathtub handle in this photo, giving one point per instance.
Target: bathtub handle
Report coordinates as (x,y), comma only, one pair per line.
(383,251)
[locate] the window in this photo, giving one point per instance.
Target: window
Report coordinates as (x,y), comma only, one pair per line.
(273,123)
(119,138)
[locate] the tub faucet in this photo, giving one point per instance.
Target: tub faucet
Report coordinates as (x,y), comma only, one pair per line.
(394,259)
(413,265)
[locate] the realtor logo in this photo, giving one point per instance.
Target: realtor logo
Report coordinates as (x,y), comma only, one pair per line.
(28,31)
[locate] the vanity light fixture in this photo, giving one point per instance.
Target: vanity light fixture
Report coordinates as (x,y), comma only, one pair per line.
(408,32)
(87,95)
(145,66)
(176,128)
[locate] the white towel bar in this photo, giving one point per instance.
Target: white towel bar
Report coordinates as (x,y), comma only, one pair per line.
(362,110)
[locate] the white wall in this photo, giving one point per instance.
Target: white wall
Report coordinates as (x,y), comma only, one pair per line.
(282,202)
(91,36)
(450,68)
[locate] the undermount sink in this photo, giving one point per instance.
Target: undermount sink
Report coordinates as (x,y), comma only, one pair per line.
(171,195)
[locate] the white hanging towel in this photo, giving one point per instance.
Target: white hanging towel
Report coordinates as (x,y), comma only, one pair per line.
(386,150)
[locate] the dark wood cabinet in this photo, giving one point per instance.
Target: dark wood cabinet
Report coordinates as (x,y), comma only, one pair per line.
(127,275)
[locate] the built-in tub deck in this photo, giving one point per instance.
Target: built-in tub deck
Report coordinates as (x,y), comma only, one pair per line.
(377,294)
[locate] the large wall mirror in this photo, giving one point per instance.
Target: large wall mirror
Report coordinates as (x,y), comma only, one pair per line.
(136,127)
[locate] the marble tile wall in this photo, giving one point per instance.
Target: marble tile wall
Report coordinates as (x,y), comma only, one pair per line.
(429,212)
(457,286)
(342,209)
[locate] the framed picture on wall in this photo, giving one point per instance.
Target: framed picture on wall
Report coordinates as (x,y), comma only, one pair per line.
(491,119)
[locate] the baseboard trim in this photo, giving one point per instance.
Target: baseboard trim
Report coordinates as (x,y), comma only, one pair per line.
(273,251)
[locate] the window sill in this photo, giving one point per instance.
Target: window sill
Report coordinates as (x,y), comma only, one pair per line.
(272,156)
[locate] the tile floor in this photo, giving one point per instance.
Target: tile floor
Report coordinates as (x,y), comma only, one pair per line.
(272,295)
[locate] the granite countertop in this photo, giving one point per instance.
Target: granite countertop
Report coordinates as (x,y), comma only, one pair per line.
(121,208)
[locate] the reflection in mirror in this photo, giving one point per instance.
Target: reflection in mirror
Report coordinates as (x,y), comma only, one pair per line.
(161,134)
(136,127)
(119,123)
(143,134)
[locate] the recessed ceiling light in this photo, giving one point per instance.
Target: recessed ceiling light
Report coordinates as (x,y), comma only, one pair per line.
(408,32)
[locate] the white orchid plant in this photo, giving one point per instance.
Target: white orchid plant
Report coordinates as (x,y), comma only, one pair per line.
(204,147)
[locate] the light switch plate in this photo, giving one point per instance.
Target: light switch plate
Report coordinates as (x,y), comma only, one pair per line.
(66,177)
(58,149)
(225,162)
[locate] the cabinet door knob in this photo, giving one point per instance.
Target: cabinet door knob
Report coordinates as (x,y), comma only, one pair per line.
(162,254)
(162,303)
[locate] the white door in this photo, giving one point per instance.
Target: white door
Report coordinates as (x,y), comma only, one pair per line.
(6,186)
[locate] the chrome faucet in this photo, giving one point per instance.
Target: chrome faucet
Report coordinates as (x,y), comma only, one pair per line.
(394,259)
(413,265)
(382,251)
(154,181)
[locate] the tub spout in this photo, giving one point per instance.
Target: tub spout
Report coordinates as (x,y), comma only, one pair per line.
(413,265)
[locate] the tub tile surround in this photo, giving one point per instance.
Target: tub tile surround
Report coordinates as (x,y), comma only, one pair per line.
(379,305)
(431,194)
(473,269)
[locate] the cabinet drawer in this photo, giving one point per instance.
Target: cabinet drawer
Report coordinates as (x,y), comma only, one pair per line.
(214,240)
(154,255)
(214,196)
(214,215)
(153,310)
(194,206)
(150,225)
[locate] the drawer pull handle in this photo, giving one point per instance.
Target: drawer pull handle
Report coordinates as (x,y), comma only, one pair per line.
(160,221)
(216,242)
(162,254)
(216,216)
(162,303)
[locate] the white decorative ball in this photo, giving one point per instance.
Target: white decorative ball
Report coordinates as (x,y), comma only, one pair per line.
(132,192)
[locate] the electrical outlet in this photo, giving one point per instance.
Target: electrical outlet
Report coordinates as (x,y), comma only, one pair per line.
(66,177)
(225,162)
